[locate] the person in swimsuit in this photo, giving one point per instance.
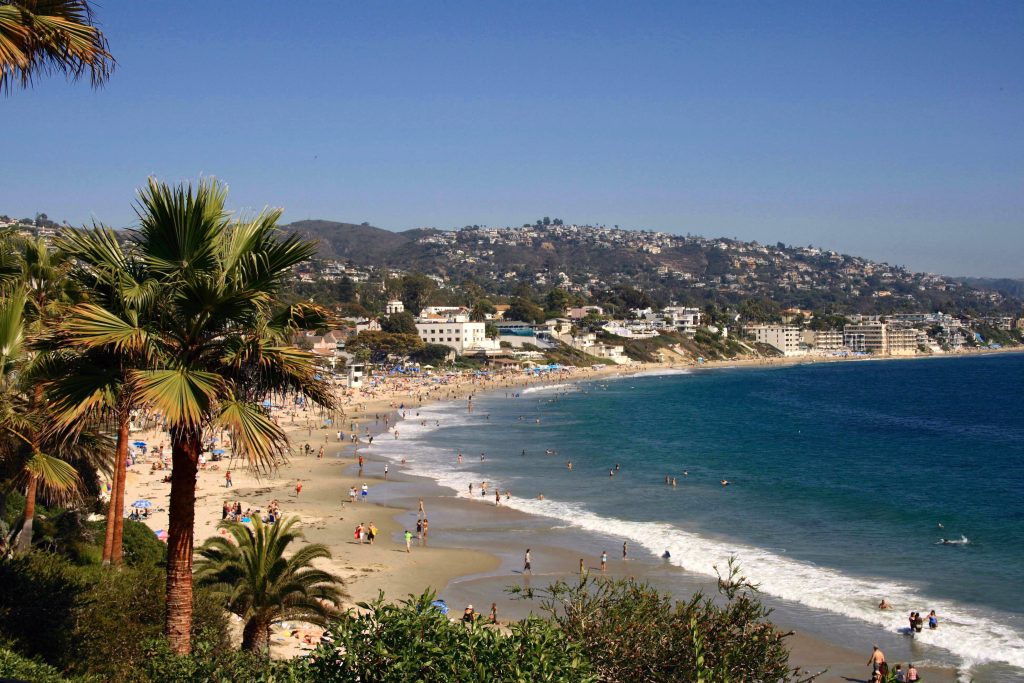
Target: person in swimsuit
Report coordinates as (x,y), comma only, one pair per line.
(527,565)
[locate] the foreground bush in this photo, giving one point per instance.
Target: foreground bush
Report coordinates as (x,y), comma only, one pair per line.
(90,619)
(632,632)
(413,641)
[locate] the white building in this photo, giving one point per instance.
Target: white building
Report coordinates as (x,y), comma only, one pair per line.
(824,340)
(867,337)
(785,338)
(394,306)
(683,318)
(460,335)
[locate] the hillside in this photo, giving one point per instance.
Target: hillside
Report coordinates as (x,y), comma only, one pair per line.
(583,259)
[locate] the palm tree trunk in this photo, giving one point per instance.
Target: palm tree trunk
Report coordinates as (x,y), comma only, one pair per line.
(256,637)
(23,542)
(108,539)
(185,447)
(117,500)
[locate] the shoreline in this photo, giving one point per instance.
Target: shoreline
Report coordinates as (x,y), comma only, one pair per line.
(446,565)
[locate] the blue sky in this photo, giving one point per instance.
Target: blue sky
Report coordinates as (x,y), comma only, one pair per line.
(893,130)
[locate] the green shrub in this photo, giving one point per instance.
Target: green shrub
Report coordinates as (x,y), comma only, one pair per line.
(92,619)
(412,641)
(141,546)
(15,667)
(630,631)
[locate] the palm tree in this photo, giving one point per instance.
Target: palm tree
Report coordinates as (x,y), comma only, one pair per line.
(34,443)
(95,380)
(46,36)
(218,346)
(261,585)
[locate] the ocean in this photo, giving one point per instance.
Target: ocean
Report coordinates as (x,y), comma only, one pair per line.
(843,480)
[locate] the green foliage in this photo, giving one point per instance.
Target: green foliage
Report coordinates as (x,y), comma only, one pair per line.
(212,663)
(522,308)
(254,579)
(380,345)
(399,323)
(431,354)
(141,546)
(630,631)
(412,641)
(17,668)
(91,619)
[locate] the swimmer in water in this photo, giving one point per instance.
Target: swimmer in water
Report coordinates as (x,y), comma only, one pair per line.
(725,482)
(666,555)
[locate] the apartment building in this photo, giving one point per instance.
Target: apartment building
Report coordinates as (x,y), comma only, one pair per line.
(785,338)
(462,336)
(868,337)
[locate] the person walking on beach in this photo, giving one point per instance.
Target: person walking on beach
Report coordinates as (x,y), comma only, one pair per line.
(497,497)
(604,560)
(877,660)
(421,512)
(298,487)
(426,530)
(371,533)
(624,551)
(385,471)
(494,613)
(227,479)
(365,492)
(352,494)
(408,541)
(527,566)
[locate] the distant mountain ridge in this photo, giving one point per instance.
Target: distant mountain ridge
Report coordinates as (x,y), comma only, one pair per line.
(670,267)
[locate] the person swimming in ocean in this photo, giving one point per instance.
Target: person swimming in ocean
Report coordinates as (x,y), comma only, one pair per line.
(666,555)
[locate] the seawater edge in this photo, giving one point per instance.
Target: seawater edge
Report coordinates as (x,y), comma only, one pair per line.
(476,541)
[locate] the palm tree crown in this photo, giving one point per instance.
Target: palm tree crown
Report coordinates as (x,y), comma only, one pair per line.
(44,36)
(261,585)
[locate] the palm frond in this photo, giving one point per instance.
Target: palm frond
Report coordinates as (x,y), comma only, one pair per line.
(185,397)
(259,439)
(40,37)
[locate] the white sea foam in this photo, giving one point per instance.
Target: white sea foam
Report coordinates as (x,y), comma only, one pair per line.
(565,386)
(973,635)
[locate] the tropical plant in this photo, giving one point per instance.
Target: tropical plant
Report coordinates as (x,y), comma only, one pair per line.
(413,641)
(250,572)
(40,37)
(219,346)
(34,448)
(93,374)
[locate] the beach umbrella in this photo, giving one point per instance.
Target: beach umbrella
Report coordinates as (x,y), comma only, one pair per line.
(266,403)
(161,534)
(440,605)
(142,503)
(219,451)
(139,444)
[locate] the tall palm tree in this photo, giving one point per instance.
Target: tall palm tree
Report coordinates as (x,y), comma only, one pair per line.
(251,574)
(95,376)
(218,346)
(34,444)
(44,36)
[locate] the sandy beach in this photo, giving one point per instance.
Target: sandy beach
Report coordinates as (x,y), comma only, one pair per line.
(474,550)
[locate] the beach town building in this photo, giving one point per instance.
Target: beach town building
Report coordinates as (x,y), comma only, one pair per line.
(456,333)
(580,312)
(684,318)
(823,340)
(785,338)
(394,306)
(866,337)
(903,341)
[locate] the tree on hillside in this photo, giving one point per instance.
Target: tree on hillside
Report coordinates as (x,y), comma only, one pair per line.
(40,37)
(524,309)
(250,573)
(399,323)
(417,290)
(380,345)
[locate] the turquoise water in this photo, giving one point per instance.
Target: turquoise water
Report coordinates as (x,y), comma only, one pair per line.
(840,477)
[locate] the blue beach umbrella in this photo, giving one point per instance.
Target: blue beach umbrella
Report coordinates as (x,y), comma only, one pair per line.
(219,451)
(142,504)
(440,605)
(139,444)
